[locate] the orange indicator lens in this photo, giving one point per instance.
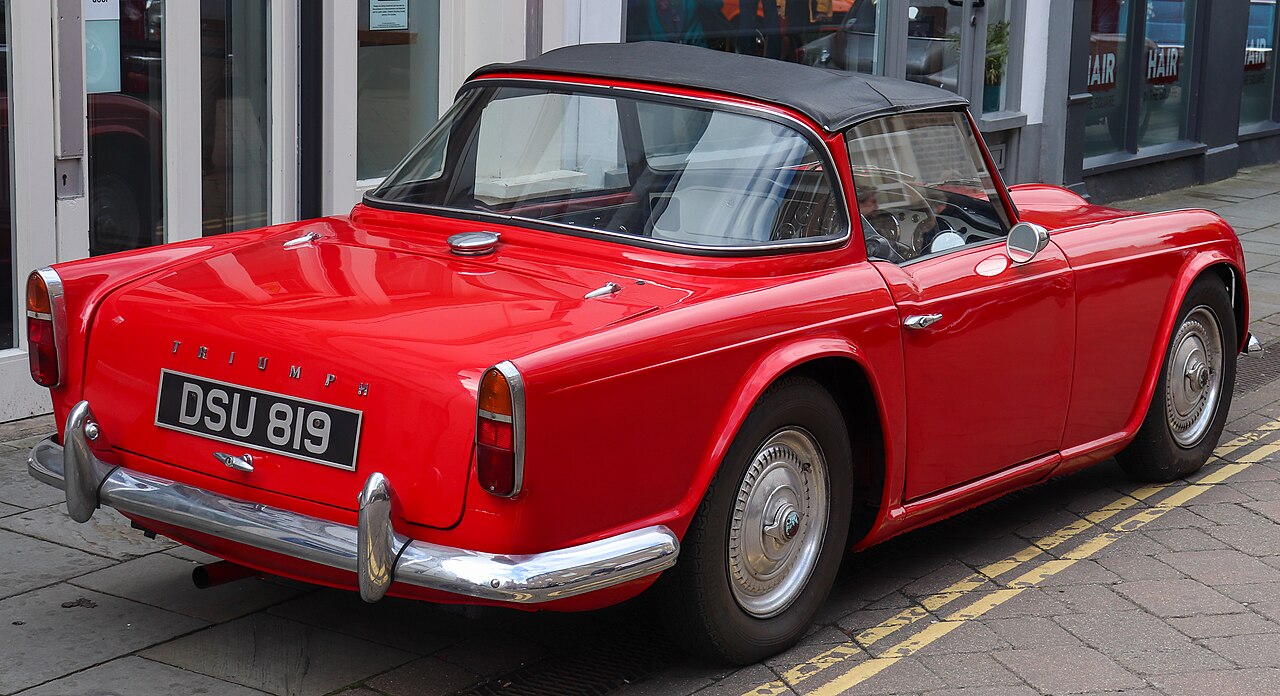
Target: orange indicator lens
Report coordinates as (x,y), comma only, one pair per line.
(37,295)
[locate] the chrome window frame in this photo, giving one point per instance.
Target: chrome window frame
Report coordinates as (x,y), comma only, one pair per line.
(805,130)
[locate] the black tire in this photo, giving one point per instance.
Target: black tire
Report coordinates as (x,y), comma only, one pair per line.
(1175,439)
(123,213)
(704,598)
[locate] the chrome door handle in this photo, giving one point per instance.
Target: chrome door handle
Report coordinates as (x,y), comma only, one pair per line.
(921,321)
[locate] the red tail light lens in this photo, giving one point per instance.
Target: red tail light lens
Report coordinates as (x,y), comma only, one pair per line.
(500,431)
(45,312)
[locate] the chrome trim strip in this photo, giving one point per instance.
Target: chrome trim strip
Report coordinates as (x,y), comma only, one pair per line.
(490,415)
(368,549)
(58,308)
(811,134)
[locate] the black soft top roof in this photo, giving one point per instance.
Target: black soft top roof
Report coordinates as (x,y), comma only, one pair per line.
(834,99)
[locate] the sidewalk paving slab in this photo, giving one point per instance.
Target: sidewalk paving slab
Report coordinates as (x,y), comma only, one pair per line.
(133,676)
(17,488)
(33,563)
(107,533)
(278,656)
(164,581)
(55,631)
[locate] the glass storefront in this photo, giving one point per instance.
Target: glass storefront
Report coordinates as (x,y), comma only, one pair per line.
(1162,75)
(1108,79)
(851,35)
(995,64)
(1257,98)
(1165,92)
(397,90)
(8,307)
(234,114)
(854,43)
(933,43)
(123,75)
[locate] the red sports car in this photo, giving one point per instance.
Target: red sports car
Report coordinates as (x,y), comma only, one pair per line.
(637,315)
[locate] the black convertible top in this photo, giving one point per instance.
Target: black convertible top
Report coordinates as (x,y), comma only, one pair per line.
(834,99)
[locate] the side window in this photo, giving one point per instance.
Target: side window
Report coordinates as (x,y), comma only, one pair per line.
(535,145)
(922,186)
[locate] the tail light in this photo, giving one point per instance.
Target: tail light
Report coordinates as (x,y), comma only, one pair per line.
(500,431)
(46,327)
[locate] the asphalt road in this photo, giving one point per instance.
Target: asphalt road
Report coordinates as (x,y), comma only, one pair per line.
(1086,584)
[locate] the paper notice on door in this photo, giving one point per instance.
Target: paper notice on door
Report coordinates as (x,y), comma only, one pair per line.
(101,46)
(388,15)
(101,9)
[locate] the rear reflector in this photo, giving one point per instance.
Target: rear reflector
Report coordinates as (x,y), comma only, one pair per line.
(500,431)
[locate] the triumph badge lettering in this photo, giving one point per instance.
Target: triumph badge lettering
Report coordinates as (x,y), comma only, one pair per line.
(294,427)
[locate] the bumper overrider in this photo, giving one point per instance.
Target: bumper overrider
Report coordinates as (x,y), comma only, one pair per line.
(372,549)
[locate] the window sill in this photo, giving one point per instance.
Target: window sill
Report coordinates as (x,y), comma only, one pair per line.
(1115,161)
(1260,129)
(997,121)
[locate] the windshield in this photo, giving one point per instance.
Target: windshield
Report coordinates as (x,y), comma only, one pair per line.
(648,171)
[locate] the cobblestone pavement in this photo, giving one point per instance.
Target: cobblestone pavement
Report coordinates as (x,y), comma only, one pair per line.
(1088,583)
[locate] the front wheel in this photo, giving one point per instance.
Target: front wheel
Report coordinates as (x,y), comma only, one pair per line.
(1193,393)
(764,547)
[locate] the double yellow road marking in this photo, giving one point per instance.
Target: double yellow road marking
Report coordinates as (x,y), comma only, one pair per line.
(840,655)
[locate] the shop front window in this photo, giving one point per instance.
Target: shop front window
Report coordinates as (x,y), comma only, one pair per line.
(995,65)
(933,43)
(8,306)
(1165,92)
(234,114)
(1256,99)
(397,92)
(1108,80)
(841,34)
(123,76)
(856,45)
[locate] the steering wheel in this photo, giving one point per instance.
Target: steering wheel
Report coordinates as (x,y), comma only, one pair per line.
(917,222)
(879,246)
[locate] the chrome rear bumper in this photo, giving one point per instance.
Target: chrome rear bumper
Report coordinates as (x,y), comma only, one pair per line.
(372,549)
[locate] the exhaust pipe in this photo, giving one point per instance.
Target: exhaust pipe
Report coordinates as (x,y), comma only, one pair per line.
(219,573)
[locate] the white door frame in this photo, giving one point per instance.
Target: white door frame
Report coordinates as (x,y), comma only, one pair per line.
(472,34)
(49,229)
(184,212)
(38,239)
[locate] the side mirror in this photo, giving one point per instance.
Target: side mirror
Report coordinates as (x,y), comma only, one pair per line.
(1025,241)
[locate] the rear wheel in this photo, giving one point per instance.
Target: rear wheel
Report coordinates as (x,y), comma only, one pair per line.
(1193,393)
(763,550)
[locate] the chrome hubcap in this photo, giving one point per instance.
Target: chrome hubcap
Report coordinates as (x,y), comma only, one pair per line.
(779,522)
(1195,377)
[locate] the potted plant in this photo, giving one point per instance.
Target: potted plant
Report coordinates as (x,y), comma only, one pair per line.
(993,70)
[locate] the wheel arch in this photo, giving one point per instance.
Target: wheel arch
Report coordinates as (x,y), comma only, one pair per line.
(841,368)
(1212,264)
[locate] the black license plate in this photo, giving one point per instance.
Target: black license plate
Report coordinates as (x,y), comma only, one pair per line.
(262,420)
